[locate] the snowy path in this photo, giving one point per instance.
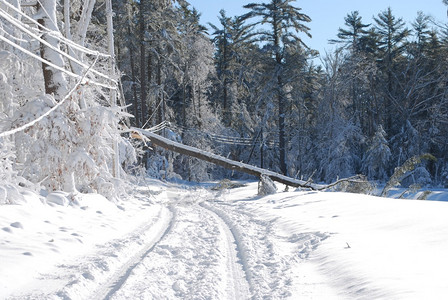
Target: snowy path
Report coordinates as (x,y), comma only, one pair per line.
(99,273)
(237,278)
(156,231)
(268,258)
(192,244)
(188,242)
(198,258)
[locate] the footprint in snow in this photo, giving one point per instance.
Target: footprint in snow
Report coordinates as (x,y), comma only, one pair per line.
(88,275)
(7,229)
(27,253)
(16,225)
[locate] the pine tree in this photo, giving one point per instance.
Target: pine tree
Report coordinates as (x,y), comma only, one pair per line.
(284,22)
(392,33)
(352,36)
(231,42)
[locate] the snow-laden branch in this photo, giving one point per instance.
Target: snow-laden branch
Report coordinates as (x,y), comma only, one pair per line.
(21,26)
(85,81)
(55,34)
(69,94)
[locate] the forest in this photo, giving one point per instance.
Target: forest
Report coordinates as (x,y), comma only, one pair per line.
(76,76)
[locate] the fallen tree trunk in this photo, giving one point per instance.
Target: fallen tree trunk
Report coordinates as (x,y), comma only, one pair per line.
(224,162)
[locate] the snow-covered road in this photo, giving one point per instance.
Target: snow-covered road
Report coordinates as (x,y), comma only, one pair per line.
(189,242)
(196,258)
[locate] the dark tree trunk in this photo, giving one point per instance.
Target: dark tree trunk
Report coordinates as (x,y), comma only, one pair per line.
(134,83)
(142,62)
(54,81)
(161,98)
(281,127)
(150,107)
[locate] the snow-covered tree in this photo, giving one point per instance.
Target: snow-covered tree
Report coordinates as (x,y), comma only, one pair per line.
(284,21)
(64,127)
(377,158)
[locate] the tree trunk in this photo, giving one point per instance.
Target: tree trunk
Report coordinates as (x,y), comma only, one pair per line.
(160,104)
(113,92)
(184,107)
(56,85)
(281,127)
(142,62)
(280,98)
(54,80)
(134,85)
(150,105)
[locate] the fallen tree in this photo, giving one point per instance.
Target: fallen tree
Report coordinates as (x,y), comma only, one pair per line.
(228,163)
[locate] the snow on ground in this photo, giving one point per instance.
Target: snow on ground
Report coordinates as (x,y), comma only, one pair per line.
(184,241)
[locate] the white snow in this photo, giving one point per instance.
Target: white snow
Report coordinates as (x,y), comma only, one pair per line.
(177,241)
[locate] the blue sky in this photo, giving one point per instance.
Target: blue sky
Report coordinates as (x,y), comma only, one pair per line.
(328,15)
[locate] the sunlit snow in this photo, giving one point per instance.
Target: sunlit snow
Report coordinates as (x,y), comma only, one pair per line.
(177,241)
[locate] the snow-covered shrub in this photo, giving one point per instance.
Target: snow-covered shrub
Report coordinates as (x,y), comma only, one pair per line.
(420,176)
(338,152)
(7,157)
(127,152)
(8,175)
(10,194)
(157,164)
(17,84)
(406,143)
(266,186)
(376,160)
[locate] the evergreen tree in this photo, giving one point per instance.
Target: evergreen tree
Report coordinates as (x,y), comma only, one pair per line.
(284,22)
(352,36)
(392,33)
(231,42)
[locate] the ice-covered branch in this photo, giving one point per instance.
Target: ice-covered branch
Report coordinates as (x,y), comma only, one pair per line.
(56,35)
(21,26)
(69,94)
(55,66)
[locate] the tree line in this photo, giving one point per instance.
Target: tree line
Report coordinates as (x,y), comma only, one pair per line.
(250,89)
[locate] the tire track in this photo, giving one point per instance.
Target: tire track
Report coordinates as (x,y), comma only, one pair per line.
(268,267)
(239,276)
(157,232)
(97,273)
